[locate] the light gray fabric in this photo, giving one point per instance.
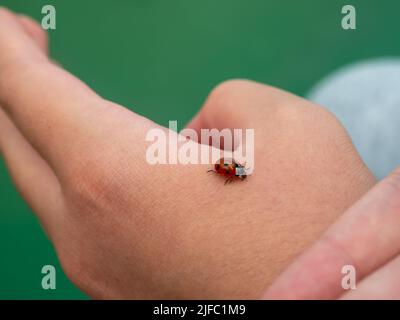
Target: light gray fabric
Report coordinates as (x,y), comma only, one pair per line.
(365,97)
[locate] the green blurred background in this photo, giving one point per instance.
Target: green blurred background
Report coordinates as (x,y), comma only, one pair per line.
(161,58)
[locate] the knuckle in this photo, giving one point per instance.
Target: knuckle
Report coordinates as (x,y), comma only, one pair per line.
(33,27)
(311,116)
(232,85)
(228,90)
(4,12)
(245,95)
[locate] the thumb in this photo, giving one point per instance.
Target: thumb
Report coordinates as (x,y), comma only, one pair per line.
(365,237)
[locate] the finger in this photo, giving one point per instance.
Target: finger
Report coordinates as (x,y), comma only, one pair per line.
(366,237)
(264,113)
(382,284)
(15,42)
(57,113)
(241,104)
(31,175)
(233,106)
(35,31)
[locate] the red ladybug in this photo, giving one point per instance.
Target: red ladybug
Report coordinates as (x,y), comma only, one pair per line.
(229,168)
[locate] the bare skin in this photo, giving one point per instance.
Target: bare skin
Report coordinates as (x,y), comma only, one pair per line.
(366,237)
(125,229)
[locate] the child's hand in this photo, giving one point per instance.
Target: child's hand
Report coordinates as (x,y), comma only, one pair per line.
(124,228)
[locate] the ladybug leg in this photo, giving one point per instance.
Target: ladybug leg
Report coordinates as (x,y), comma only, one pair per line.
(229,180)
(212,171)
